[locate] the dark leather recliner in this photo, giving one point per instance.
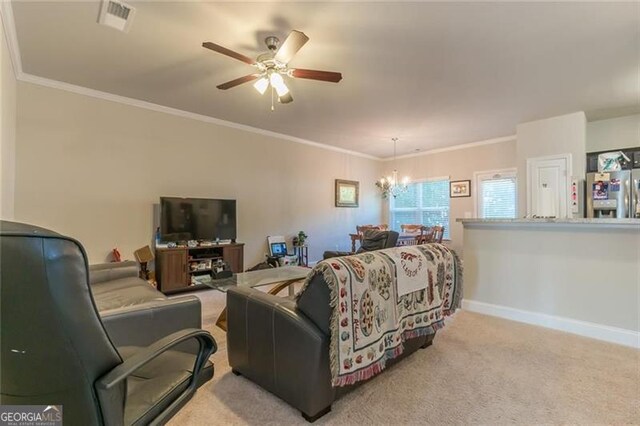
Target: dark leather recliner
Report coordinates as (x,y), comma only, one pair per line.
(55,350)
(283,345)
(371,240)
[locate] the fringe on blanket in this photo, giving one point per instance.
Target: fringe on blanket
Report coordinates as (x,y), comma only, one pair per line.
(378,366)
(424,331)
(458,281)
(332,281)
(370,371)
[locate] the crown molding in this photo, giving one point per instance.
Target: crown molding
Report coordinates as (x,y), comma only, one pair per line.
(8,22)
(55,84)
(81,90)
(455,147)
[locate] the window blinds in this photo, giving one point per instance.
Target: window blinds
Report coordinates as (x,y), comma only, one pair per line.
(498,198)
(425,203)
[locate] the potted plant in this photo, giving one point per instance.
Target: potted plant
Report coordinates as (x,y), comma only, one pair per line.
(300,239)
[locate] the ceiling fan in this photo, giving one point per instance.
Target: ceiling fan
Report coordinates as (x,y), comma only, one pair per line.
(273,65)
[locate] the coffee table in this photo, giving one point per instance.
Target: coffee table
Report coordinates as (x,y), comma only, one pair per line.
(284,277)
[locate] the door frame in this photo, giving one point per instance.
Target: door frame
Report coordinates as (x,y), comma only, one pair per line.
(568,162)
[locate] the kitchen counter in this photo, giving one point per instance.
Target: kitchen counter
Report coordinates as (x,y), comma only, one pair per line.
(542,221)
(575,275)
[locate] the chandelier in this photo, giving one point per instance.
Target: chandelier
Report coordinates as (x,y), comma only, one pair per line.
(391,185)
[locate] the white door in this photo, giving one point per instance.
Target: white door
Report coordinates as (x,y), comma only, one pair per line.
(548,186)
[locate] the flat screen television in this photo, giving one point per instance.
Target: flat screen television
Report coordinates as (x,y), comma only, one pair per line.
(184,219)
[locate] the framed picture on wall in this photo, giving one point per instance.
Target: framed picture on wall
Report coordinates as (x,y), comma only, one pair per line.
(347,193)
(460,188)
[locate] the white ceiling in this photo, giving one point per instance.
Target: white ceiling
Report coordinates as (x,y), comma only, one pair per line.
(433,74)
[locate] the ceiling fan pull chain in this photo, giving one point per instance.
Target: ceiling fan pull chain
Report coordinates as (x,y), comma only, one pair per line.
(273,108)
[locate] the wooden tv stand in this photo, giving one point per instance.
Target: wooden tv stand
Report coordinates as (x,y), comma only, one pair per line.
(173,271)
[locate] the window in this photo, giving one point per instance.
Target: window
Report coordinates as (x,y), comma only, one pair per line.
(425,203)
(496,194)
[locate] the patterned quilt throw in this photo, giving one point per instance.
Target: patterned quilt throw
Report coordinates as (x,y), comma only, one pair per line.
(380,299)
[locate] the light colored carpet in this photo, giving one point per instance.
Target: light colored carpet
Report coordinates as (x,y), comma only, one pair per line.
(480,370)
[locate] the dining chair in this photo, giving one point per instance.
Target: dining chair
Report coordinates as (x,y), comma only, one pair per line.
(431,234)
(412,228)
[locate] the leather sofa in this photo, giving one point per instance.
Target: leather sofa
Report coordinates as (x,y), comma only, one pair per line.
(133,312)
(283,345)
(372,239)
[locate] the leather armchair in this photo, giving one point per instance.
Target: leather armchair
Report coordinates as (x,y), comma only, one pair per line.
(56,351)
(371,240)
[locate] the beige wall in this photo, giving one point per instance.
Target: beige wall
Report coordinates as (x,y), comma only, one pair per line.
(7,129)
(93,169)
(457,164)
(565,134)
(615,133)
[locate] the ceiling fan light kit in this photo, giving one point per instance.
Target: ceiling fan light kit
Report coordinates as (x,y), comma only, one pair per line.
(277,82)
(273,65)
(261,85)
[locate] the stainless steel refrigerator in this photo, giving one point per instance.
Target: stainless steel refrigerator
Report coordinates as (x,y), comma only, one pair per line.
(609,194)
(613,194)
(635,193)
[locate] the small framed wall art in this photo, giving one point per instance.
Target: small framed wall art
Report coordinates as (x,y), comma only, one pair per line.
(459,188)
(347,193)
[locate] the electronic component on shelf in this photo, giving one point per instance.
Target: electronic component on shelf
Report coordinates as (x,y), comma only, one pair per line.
(220,270)
(221,274)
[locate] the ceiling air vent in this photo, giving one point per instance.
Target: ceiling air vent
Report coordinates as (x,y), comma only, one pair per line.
(116,14)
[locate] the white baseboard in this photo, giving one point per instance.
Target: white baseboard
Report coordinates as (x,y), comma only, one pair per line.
(606,333)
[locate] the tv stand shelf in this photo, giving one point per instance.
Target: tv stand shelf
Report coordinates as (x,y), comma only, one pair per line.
(200,259)
(195,271)
(172,264)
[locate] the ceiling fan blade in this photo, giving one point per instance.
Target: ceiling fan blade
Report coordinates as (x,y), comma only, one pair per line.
(333,77)
(286,98)
(238,81)
(294,42)
(227,52)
